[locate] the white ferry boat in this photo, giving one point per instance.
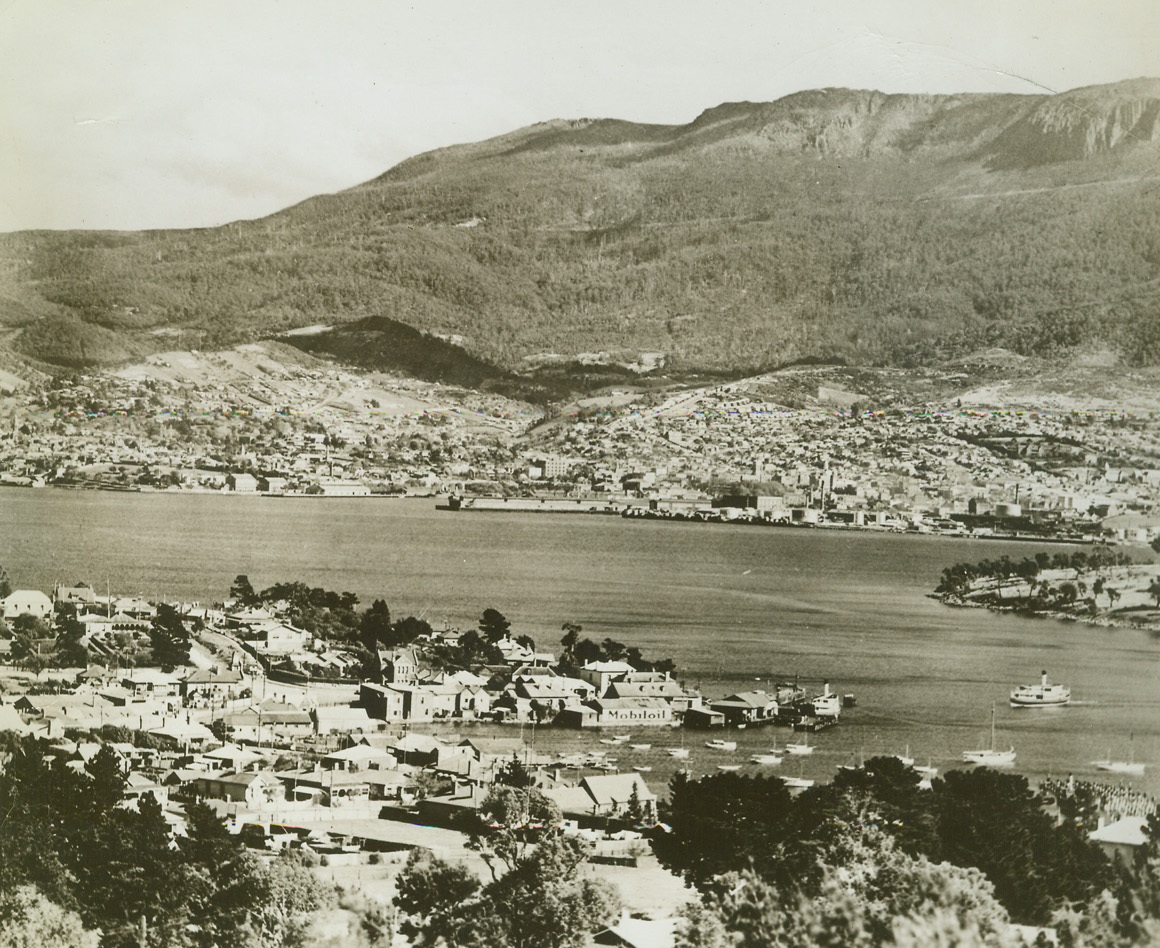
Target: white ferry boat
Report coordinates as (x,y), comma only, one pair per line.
(1042,695)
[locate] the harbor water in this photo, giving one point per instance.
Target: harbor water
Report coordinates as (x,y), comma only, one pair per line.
(737,607)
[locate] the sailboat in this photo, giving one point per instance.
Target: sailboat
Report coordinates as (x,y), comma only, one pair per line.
(851,766)
(681,752)
(990,757)
(799,782)
(1127,767)
(907,760)
(800,748)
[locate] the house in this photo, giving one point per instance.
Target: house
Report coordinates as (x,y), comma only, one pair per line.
(359,757)
(638,933)
(746,707)
(419,750)
(605,795)
(614,794)
(266,721)
(276,638)
(211,683)
(382,702)
(26,602)
(334,788)
(80,594)
(150,682)
(341,719)
(184,733)
(1121,838)
(400,666)
(242,483)
(253,788)
(601,674)
(652,685)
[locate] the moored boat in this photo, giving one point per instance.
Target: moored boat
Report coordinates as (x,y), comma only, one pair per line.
(1128,768)
(729,767)
(799,748)
(718,744)
(640,747)
(798,783)
(680,752)
(990,757)
(1041,695)
(766,759)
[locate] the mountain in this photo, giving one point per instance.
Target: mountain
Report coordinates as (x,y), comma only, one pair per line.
(831,224)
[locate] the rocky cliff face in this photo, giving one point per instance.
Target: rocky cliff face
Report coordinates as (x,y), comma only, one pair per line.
(1082,124)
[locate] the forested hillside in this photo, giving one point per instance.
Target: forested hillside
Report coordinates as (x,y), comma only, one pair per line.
(835,224)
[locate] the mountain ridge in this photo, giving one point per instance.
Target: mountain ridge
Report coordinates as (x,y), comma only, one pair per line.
(864,226)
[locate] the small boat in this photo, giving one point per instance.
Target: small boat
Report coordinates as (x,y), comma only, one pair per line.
(729,767)
(1041,695)
(990,757)
(907,760)
(798,783)
(799,748)
(640,747)
(861,765)
(767,759)
(1128,768)
(718,744)
(609,740)
(621,738)
(642,768)
(926,771)
(681,752)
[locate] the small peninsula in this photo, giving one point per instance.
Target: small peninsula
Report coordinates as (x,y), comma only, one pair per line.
(1102,586)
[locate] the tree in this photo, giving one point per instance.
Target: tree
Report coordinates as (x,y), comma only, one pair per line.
(493,625)
(429,889)
(375,626)
(1154,591)
(514,774)
(169,637)
(69,650)
(995,822)
(541,902)
(29,920)
(243,592)
(571,635)
(508,822)
(5,584)
(724,819)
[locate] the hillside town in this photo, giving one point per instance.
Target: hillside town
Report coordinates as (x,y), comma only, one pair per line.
(733,451)
(360,758)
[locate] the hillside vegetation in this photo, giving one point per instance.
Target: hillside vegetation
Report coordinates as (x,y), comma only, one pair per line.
(834,224)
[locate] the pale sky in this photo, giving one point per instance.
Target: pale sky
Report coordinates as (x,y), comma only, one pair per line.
(174,113)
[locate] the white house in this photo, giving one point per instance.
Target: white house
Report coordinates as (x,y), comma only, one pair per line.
(27,602)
